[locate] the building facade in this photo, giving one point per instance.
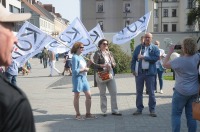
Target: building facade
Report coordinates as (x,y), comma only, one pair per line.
(171,16)
(114,15)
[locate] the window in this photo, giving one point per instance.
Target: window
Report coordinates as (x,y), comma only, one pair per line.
(101,24)
(22,10)
(173,27)
(165,28)
(127,22)
(165,12)
(127,7)
(156,13)
(165,0)
(174,13)
(190,4)
(100,6)
(155,27)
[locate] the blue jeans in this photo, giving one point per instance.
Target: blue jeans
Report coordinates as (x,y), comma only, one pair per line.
(160,78)
(11,78)
(150,85)
(180,101)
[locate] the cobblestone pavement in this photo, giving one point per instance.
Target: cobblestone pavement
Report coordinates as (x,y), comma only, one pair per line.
(52,103)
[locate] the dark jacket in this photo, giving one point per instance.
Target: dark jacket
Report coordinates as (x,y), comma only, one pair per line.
(99,59)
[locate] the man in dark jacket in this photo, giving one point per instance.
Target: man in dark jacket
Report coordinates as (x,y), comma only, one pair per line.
(15,110)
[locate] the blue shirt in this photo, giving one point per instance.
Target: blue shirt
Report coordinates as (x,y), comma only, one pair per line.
(12,69)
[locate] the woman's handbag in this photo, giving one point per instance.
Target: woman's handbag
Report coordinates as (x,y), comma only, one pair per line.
(196,109)
(104,76)
(196,103)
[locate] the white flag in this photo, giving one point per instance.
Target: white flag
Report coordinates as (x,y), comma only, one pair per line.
(76,32)
(96,34)
(57,47)
(21,60)
(132,30)
(30,39)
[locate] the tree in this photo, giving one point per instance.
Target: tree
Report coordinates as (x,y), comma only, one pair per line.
(194,14)
(132,45)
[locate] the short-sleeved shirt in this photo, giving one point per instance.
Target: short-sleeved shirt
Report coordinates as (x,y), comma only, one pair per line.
(15,111)
(186,74)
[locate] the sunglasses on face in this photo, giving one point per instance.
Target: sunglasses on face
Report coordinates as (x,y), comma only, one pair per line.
(81,47)
(105,44)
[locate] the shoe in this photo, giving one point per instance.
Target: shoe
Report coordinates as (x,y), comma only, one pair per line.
(50,75)
(153,114)
(137,113)
(90,116)
(79,117)
(161,91)
(155,91)
(104,114)
(63,73)
(117,114)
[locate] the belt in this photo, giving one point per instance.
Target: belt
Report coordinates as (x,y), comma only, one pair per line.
(145,70)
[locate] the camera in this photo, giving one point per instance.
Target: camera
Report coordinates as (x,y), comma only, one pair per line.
(177,47)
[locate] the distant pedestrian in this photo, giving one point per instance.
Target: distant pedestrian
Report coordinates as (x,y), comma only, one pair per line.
(11,73)
(79,80)
(52,61)
(45,57)
(68,63)
(160,68)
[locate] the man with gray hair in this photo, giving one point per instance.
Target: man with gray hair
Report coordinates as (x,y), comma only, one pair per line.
(15,110)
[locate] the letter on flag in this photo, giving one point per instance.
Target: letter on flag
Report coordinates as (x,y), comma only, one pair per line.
(30,39)
(132,30)
(76,32)
(96,34)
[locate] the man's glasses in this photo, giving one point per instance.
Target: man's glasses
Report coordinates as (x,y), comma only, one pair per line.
(105,43)
(81,47)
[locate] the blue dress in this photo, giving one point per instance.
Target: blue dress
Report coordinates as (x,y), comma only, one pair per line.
(79,80)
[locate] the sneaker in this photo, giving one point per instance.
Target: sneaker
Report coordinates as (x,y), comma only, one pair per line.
(153,114)
(137,113)
(90,116)
(161,91)
(63,73)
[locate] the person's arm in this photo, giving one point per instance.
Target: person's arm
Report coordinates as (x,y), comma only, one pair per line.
(166,62)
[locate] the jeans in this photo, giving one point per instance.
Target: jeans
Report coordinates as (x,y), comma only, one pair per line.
(180,101)
(11,78)
(150,85)
(160,78)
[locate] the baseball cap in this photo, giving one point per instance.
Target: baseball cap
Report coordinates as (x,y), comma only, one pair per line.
(6,16)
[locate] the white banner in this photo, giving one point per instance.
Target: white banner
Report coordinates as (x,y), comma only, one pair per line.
(57,47)
(30,39)
(96,34)
(21,60)
(132,30)
(76,32)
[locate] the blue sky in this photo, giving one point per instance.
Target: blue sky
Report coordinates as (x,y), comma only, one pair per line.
(69,9)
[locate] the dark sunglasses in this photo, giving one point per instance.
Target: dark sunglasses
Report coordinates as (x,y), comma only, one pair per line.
(104,43)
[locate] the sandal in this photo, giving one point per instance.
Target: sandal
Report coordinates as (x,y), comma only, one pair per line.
(79,117)
(90,116)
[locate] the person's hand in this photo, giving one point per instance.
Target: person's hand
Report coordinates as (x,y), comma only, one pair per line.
(86,69)
(171,49)
(134,73)
(140,56)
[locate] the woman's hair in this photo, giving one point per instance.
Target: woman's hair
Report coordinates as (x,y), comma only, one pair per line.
(75,47)
(101,41)
(189,46)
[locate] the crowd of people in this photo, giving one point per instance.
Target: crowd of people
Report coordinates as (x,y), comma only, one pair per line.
(148,62)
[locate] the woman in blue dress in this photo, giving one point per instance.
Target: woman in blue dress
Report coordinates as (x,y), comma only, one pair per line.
(79,80)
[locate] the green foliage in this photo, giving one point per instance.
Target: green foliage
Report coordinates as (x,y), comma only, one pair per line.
(194,14)
(122,59)
(132,45)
